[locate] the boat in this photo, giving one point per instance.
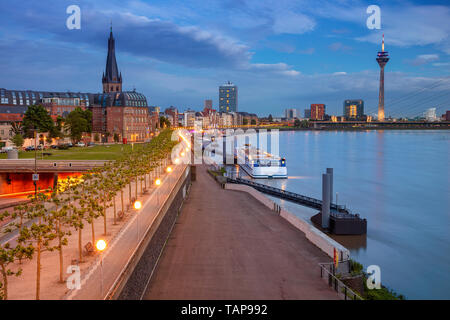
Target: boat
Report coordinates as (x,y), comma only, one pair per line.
(260,164)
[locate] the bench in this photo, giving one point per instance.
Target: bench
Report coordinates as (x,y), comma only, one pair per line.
(89,248)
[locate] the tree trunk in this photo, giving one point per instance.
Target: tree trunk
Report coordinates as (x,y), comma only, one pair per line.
(80,249)
(129,199)
(121,198)
(93,232)
(136,186)
(5,282)
(38,270)
(61,262)
(104,217)
(114,205)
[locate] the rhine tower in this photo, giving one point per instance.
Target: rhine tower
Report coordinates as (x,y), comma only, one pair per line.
(382,59)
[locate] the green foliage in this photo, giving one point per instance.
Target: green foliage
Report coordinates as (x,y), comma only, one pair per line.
(96,137)
(297,123)
(253,122)
(164,122)
(116,137)
(78,122)
(245,121)
(36,117)
(18,140)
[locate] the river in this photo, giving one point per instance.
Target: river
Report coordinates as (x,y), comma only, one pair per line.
(400,181)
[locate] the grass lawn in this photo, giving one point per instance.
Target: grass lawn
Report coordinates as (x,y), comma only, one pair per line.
(99,152)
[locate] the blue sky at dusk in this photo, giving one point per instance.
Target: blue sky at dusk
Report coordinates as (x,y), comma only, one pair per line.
(281,54)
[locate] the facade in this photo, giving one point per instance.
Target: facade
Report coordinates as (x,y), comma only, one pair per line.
(354,109)
(208,104)
(228,97)
(290,113)
(189,118)
(317,111)
(307,113)
(114,111)
(171,113)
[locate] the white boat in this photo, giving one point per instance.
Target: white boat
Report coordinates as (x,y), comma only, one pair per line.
(260,164)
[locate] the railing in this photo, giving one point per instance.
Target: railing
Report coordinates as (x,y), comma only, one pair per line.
(327,272)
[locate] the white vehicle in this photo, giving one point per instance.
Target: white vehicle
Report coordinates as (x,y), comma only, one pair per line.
(261,164)
(80,144)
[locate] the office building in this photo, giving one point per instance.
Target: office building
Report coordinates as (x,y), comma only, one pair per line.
(353,109)
(228,97)
(317,111)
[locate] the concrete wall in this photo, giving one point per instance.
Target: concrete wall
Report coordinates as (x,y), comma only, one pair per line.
(317,237)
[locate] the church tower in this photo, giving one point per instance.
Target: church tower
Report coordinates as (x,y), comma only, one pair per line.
(112,79)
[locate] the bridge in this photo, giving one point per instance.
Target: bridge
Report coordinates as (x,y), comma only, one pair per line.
(48,166)
(291,196)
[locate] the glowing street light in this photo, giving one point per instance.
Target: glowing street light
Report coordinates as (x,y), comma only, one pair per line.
(158,182)
(169,169)
(182,154)
(101,246)
(137,205)
(176,161)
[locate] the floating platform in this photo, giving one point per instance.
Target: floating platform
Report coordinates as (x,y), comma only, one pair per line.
(343,224)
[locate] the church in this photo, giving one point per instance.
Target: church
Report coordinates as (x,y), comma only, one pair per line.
(124,113)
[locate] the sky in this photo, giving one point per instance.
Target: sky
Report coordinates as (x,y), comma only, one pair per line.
(281,54)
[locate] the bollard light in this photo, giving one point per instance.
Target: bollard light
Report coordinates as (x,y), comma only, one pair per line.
(158,182)
(100,245)
(137,205)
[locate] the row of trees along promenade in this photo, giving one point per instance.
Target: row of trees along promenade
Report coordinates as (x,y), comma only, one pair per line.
(76,203)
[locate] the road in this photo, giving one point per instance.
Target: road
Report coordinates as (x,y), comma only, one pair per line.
(227,245)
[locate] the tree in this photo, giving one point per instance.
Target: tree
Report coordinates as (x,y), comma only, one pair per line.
(8,255)
(304,124)
(36,118)
(165,123)
(270,118)
(245,121)
(77,122)
(253,122)
(297,123)
(116,137)
(18,140)
(16,128)
(57,131)
(96,137)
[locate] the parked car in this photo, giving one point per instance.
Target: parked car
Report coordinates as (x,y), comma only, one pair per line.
(91,144)
(80,144)
(29,148)
(6,149)
(54,146)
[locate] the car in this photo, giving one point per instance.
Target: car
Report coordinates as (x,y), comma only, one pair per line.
(80,144)
(30,148)
(54,146)
(91,144)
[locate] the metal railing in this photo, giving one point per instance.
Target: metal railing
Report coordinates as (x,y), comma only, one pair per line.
(327,272)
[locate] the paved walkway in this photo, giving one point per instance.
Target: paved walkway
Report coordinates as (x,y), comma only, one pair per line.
(227,245)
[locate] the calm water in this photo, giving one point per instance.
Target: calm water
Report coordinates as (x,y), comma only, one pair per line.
(400,182)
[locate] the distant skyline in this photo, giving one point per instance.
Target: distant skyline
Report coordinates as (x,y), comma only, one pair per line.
(281,54)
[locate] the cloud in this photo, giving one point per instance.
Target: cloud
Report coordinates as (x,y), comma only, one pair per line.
(307,51)
(338,46)
(279,68)
(423,59)
(340,73)
(293,23)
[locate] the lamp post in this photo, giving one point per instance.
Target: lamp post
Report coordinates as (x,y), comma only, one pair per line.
(137,206)
(157,183)
(101,246)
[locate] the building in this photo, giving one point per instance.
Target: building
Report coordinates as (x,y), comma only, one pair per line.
(228,97)
(317,111)
(353,109)
(208,104)
(290,113)
(189,118)
(249,118)
(382,59)
(430,115)
(114,111)
(446,116)
(171,113)
(307,113)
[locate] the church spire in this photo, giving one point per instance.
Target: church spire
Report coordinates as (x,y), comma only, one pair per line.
(112,79)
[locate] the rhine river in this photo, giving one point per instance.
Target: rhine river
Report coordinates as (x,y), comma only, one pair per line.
(400,182)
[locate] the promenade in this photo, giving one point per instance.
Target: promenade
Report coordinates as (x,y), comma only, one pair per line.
(227,245)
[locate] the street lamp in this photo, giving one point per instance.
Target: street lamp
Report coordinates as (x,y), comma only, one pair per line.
(137,206)
(169,169)
(157,183)
(101,246)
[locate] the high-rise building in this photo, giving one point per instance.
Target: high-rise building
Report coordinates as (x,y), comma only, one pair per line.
(317,111)
(208,104)
(382,59)
(353,109)
(307,113)
(430,114)
(290,113)
(228,97)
